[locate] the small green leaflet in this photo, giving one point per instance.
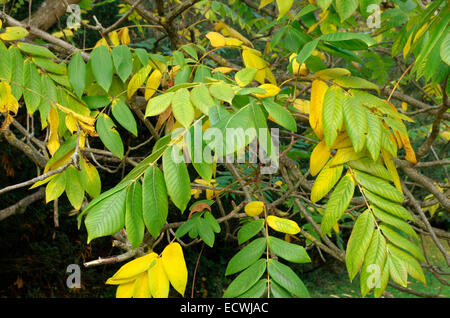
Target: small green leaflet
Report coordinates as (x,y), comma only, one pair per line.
(124,116)
(109,135)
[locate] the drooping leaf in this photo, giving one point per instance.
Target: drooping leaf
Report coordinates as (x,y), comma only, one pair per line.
(134,223)
(175,266)
(77,73)
(109,135)
(247,256)
(124,116)
(102,66)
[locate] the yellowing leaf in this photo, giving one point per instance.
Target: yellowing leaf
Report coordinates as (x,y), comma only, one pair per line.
(114,37)
(271,90)
(319,158)
(264,3)
(13,33)
(53,141)
(283,7)
(254,208)
(138,80)
(158,281)
(318,90)
(71,123)
(130,270)
(175,266)
(216,39)
(344,155)
(332,73)
(390,165)
(342,141)
(282,225)
(153,83)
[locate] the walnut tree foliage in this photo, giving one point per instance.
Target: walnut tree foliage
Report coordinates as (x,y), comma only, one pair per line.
(352,155)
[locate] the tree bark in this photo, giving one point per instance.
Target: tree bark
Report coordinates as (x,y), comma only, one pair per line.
(48,13)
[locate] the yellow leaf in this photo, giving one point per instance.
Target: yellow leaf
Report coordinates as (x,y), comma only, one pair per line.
(325,181)
(332,73)
(158,281)
(124,36)
(264,3)
(138,80)
(319,158)
(66,33)
(114,37)
(232,42)
(88,120)
(302,105)
(216,39)
(125,290)
(318,90)
(254,208)
(223,70)
(131,269)
(298,69)
(283,7)
(404,106)
(141,288)
(336,228)
(271,90)
(407,46)
(13,33)
(230,32)
(175,266)
(153,83)
(410,154)
(344,155)
(282,225)
(342,141)
(390,165)
(53,121)
(323,16)
(71,123)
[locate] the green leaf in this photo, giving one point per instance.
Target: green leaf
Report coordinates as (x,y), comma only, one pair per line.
(395,222)
(445,49)
(154,199)
(349,40)
(247,256)
(291,252)
(245,76)
(74,189)
(262,131)
(379,186)
(257,290)
(371,167)
(245,280)
(159,104)
(35,50)
(373,265)
(17,75)
(212,222)
(107,217)
(177,177)
(338,202)
(397,270)
(199,153)
(412,265)
(5,57)
(32,83)
(182,108)
(134,223)
(249,230)
(222,91)
(306,51)
(77,74)
(109,135)
(355,82)
(287,279)
(205,232)
(389,206)
(280,114)
(324,4)
(402,242)
(355,122)
(278,292)
(333,115)
(50,66)
(201,98)
(358,243)
(124,116)
(373,139)
(345,8)
(123,61)
(102,66)
(97,101)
